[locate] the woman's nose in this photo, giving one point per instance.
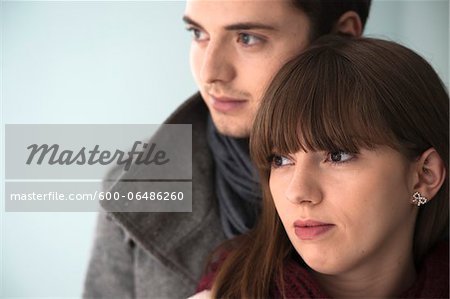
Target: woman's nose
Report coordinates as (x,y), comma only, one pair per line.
(304,186)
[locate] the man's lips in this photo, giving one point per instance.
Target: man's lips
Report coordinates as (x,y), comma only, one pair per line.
(226,104)
(311,229)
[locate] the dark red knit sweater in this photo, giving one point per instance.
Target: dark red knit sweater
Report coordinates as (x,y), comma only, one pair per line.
(432,279)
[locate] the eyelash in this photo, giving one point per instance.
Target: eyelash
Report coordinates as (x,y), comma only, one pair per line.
(240,35)
(353,156)
(192,31)
(258,39)
(272,157)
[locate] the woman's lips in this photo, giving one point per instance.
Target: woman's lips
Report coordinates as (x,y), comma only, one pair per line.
(227,104)
(311,229)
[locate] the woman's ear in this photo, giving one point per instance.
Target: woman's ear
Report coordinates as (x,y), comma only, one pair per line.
(349,24)
(431,173)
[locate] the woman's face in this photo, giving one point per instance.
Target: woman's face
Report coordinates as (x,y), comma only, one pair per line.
(346,211)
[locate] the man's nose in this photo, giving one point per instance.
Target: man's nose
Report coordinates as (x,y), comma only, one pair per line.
(218,63)
(304,187)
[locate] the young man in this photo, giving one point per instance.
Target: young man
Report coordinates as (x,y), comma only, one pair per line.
(237,47)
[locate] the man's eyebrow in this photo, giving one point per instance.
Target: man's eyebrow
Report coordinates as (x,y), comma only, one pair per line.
(236,26)
(249,26)
(189,21)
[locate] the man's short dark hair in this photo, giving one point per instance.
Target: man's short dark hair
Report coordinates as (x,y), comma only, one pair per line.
(324,14)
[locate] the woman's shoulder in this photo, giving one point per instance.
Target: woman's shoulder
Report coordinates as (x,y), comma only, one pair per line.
(213,268)
(433,274)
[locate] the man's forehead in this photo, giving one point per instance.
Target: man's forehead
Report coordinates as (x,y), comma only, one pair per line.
(230,26)
(227,13)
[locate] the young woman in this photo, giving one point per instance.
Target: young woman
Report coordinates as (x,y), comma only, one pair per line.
(351,142)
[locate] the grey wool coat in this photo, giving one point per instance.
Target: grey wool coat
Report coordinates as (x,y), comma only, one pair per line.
(159,255)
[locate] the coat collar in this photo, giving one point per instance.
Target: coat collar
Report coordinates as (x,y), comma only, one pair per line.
(162,233)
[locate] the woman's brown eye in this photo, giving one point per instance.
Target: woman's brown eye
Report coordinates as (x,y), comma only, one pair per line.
(340,156)
(336,156)
(279,161)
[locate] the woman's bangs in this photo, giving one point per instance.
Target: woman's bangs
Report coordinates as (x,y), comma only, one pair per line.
(341,117)
(321,107)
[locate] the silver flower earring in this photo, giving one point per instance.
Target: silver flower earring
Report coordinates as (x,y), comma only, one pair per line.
(418,199)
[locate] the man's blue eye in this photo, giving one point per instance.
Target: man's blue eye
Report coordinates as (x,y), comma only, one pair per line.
(196,33)
(248,39)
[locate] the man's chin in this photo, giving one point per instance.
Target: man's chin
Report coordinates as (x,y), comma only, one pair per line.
(232,130)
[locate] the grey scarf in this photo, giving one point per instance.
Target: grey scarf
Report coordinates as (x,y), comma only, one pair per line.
(236,182)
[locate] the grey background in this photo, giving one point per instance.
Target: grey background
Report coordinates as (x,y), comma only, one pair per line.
(120,62)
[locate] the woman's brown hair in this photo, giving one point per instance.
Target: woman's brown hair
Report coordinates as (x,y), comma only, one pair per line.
(340,94)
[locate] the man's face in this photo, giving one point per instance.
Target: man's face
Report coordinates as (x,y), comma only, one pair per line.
(237,48)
